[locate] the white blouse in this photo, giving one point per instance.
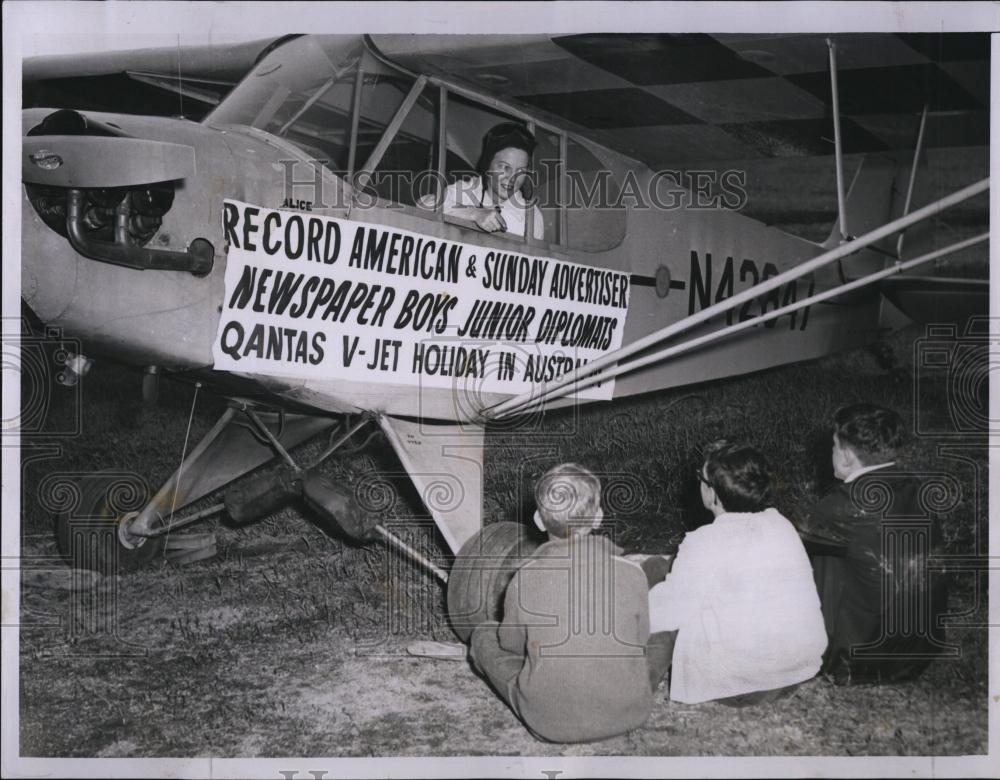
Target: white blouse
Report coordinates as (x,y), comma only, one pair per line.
(742,597)
(471,192)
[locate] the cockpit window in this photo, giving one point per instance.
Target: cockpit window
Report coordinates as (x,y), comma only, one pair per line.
(319,92)
(397,177)
(469,123)
(302,92)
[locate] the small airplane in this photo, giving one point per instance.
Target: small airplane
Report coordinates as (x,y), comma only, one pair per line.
(280,251)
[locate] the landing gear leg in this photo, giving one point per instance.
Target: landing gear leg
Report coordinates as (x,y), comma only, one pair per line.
(110,530)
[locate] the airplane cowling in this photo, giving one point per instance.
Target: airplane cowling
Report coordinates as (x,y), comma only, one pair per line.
(70,149)
(103,161)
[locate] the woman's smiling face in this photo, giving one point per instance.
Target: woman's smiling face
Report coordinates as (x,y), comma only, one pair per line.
(506,173)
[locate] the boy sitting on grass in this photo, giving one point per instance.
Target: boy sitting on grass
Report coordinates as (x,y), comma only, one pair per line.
(870,537)
(739,609)
(569,656)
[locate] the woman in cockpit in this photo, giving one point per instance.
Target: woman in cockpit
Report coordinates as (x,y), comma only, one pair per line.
(495,199)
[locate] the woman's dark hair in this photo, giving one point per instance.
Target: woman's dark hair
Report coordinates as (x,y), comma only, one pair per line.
(873,433)
(503,136)
(739,475)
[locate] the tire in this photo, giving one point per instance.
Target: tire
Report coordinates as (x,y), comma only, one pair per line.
(87,535)
(481,572)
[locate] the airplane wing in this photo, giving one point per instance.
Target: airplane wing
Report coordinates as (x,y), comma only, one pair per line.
(165,81)
(660,98)
(676,99)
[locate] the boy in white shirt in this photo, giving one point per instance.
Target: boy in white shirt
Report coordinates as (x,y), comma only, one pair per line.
(740,595)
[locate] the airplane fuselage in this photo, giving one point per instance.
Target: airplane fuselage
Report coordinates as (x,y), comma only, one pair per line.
(672,262)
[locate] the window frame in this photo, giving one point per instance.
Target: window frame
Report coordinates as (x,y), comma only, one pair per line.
(445,89)
(533,125)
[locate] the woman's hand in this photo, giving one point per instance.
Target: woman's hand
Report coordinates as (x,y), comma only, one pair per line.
(488,219)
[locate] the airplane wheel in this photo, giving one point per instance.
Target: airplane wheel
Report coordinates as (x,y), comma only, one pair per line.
(482,570)
(88,535)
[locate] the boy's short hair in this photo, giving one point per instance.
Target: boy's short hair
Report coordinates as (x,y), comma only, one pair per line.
(873,433)
(568,496)
(739,475)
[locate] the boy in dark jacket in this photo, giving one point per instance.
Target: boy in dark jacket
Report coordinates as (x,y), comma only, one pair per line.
(569,655)
(870,538)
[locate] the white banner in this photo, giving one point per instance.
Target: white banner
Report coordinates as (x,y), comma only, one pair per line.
(309,296)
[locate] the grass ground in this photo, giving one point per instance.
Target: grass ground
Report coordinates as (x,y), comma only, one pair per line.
(290,642)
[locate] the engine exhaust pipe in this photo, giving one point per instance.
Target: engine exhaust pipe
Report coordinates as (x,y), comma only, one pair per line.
(198,259)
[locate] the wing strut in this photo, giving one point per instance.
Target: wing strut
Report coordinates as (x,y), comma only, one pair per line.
(913,177)
(568,382)
(837,145)
(833,292)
